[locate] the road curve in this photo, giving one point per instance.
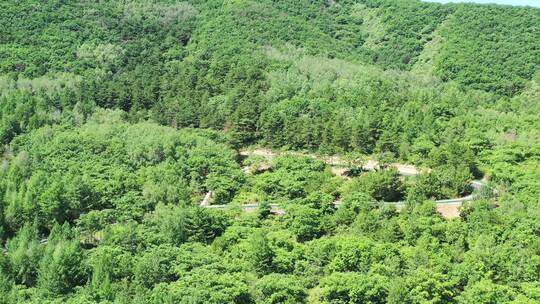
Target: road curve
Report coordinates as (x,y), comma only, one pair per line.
(369,165)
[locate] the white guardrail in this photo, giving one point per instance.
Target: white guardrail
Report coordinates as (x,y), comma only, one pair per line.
(404,170)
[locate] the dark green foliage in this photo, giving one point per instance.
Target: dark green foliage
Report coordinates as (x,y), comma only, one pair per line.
(118,117)
(382,185)
(491,48)
(407,28)
(261,254)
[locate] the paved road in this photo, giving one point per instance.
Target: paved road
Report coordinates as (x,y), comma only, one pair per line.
(370,165)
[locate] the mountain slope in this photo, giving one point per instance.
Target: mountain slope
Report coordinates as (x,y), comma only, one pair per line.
(118,117)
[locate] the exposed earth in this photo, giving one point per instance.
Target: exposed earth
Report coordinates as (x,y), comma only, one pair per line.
(448,208)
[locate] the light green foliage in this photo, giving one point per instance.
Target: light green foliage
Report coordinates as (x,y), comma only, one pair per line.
(106,155)
(487,292)
(277,288)
(156,265)
(23,253)
(61,268)
(203,286)
(116,169)
(292,177)
(350,287)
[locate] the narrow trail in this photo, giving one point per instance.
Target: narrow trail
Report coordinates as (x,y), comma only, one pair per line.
(449,208)
(336,161)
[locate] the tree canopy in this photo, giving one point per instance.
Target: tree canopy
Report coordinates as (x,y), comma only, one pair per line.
(119,118)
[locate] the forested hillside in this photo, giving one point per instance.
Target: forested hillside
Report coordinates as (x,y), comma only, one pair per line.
(118,118)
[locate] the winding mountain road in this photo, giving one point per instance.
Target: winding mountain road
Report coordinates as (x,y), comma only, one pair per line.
(449,208)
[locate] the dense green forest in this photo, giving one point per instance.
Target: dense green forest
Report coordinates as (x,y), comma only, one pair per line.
(118,117)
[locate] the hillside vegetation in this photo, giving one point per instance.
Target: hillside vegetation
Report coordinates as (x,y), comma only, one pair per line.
(118,117)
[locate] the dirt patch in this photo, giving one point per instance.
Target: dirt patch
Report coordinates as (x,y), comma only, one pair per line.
(449,211)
